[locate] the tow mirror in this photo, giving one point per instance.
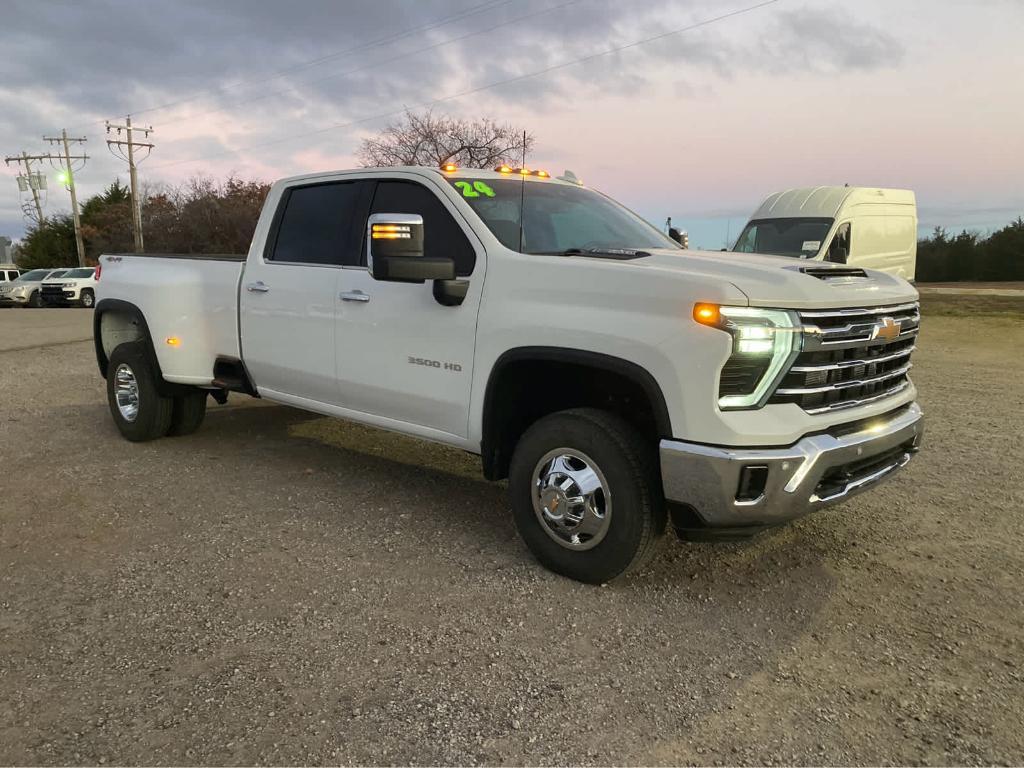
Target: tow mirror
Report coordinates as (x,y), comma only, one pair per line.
(394,250)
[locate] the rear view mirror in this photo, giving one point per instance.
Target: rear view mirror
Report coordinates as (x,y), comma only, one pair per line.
(394,250)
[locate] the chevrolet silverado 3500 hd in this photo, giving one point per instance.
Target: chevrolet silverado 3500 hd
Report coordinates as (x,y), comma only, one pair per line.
(615,379)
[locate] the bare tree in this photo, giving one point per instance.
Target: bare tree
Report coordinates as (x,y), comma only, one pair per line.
(429,139)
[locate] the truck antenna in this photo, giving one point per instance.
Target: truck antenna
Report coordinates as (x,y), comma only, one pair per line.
(522,193)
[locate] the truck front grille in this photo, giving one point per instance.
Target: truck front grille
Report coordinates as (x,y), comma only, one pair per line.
(851,357)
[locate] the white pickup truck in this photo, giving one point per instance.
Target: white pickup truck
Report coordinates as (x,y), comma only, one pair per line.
(616,380)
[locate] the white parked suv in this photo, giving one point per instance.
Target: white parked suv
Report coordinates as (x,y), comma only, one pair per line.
(617,380)
(76,287)
(24,291)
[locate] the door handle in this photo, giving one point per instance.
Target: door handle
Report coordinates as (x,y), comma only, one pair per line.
(355,295)
(258,287)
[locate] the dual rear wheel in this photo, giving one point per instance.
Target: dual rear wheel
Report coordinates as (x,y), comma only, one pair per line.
(140,412)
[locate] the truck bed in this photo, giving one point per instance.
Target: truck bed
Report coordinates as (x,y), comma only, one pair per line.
(189,297)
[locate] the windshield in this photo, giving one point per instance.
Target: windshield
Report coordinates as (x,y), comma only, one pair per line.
(556,217)
(34,275)
(784,237)
(79,273)
(58,273)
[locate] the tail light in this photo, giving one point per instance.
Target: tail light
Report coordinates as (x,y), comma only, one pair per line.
(99,269)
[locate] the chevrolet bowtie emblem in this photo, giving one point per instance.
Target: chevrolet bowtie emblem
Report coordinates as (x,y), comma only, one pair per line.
(886,328)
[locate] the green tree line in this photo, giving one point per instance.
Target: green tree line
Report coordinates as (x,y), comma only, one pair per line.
(968,256)
(201,216)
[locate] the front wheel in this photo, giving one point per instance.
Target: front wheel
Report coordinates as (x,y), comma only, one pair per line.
(583,485)
(140,412)
(34,301)
(87,299)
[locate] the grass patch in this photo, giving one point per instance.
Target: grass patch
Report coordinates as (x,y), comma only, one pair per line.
(973,306)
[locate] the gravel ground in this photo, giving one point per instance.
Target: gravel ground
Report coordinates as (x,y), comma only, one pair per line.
(283,588)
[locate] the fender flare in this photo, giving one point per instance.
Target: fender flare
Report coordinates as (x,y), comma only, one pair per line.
(629,370)
(164,387)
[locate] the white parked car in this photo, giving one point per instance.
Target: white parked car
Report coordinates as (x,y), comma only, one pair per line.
(76,287)
(856,226)
(8,273)
(617,380)
(25,291)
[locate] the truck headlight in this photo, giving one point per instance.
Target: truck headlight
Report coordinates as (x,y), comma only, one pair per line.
(764,343)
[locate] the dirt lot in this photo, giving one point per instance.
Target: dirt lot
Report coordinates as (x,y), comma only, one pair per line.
(281,588)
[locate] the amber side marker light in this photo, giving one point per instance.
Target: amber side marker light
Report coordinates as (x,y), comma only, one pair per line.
(707,314)
(173,341)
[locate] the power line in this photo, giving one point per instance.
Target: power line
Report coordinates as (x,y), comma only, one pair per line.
(375,64)
(478,89)
(381,41)
(125,149)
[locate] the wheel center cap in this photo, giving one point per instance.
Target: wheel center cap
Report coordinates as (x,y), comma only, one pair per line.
(554,503)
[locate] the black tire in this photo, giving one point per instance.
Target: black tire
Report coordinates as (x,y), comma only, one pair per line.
(153,417)
(34,301)
(188,413)
(629,465)
(87,298)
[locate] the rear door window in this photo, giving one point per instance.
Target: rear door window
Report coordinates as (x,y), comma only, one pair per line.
(315,224)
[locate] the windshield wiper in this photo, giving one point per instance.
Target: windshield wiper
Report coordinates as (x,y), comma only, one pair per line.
(616,253)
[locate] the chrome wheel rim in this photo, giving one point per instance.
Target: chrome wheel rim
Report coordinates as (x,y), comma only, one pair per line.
(571,499)
(126,392)
(87,300)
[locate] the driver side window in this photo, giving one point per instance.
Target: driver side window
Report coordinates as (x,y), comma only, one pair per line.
(839,248)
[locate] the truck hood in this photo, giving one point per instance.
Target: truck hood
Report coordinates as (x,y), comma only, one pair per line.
(780,281)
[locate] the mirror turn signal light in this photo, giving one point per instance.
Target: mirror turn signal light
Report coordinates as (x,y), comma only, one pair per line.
(390,232)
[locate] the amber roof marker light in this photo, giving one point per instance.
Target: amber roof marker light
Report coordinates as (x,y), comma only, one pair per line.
(449,167)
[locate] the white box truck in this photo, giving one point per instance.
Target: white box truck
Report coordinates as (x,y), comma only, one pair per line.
(856,226)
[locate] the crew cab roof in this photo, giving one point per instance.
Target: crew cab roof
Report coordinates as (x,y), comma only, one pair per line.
(425,171)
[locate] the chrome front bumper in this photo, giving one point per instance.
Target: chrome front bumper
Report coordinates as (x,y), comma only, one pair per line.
(817,470)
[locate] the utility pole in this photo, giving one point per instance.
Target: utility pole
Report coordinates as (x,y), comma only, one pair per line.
(68,177)
(32,182)
(117,147)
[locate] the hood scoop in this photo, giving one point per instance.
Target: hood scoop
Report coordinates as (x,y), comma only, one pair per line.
(835,273)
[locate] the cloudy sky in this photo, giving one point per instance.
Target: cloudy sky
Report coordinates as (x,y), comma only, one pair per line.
(700,125)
